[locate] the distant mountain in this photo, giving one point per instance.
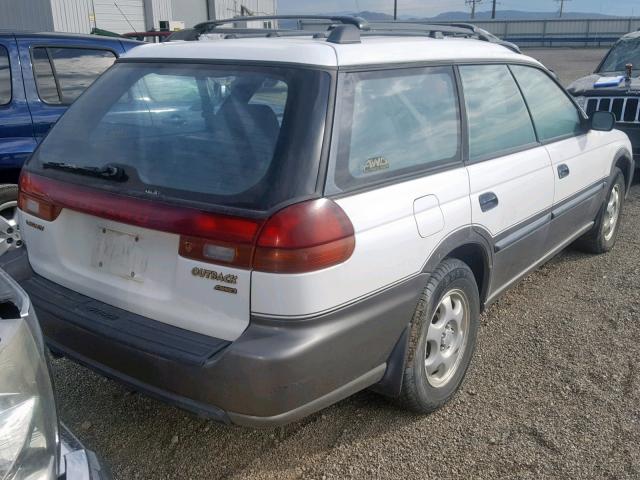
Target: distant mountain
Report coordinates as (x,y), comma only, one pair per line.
(517,15)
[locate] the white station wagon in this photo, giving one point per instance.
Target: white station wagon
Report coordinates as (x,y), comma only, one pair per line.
(257,227)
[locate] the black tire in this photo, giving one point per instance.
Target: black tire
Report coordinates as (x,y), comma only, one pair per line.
(418,394)
(597,240)
(8,193)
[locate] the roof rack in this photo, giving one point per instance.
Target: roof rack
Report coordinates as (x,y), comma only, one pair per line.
(443,29)
(344,29)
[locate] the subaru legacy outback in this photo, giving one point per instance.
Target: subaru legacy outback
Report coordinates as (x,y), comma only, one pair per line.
(257,227)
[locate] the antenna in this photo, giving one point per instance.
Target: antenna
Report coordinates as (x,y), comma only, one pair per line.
(125,17)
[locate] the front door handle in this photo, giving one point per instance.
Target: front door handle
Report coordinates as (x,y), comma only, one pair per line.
(563,171)
(488,201)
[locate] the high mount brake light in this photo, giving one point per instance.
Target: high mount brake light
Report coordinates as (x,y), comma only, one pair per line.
(300,238)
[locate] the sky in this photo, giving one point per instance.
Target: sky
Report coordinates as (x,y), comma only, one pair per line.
(428,8)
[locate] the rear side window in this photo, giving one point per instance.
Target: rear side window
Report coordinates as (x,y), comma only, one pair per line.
(246,136)
(62,73)
(5,77)
(554,115)
(396,122)
(498,118)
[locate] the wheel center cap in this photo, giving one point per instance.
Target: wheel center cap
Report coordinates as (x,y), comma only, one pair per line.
(447,337)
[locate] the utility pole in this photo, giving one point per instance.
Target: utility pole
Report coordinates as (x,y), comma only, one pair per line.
(395,9)
(493,10)
(562,6)
(473,4)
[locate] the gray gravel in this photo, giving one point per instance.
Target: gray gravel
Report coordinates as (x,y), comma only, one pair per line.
(553,392)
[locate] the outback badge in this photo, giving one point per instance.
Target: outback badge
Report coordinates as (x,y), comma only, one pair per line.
(217,277)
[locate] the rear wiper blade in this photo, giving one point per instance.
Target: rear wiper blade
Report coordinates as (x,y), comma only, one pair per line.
(108,172)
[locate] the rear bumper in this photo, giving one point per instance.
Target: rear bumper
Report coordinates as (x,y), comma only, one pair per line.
(276,372)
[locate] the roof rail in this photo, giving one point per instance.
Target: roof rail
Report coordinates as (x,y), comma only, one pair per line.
(345,29)
(358,22)
(445,28)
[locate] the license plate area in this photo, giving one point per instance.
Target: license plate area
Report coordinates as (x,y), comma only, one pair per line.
(120,254)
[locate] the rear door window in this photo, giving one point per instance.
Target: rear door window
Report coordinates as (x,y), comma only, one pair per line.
(499,122)
(554,114)
(396,122)
(5,77)
(63,73)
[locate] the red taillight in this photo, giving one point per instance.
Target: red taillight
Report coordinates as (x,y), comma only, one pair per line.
(300,238)
(304,237)
(45,198)
(33,198)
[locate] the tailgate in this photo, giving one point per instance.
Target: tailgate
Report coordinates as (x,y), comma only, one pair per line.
(138,270)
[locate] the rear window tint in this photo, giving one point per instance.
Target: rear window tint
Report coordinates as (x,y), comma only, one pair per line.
(75,70)
(394,123)
(5,77)
(554,114)
(240,137)
(498,118)
(45,81)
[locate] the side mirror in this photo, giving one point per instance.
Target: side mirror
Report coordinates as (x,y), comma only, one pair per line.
(603,121)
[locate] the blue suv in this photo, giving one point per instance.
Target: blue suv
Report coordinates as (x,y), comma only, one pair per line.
(41,74)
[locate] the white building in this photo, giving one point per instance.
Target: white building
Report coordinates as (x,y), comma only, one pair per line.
(121,16)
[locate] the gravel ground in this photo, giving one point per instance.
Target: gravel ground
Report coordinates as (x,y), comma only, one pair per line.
(553,392)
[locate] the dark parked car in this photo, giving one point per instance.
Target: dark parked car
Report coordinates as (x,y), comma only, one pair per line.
(41,74)
(33,444)
(615,87)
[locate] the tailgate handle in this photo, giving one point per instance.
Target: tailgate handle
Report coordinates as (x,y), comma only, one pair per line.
(488,201)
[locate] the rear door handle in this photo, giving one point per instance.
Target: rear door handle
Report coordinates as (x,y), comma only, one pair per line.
(563,171)
(488,201)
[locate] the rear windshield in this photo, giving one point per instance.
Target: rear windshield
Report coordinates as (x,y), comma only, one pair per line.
(247,137)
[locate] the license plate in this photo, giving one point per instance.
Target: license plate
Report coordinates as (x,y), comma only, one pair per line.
(119,254)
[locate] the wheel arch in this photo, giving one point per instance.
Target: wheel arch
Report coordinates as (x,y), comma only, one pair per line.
(471,245)
(623,160)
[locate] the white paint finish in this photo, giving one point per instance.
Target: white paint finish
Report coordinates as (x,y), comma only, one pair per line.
(250,49)
(165,289)
(429,216)
(388,247)
(523,183)
(407,49)
(308,51)
(588,157)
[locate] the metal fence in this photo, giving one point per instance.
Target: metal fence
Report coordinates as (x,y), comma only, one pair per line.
(557,33)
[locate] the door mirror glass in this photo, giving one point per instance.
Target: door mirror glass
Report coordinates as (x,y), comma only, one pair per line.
(603,121)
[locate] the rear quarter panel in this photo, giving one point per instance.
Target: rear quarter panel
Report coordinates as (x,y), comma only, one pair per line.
(389,246)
